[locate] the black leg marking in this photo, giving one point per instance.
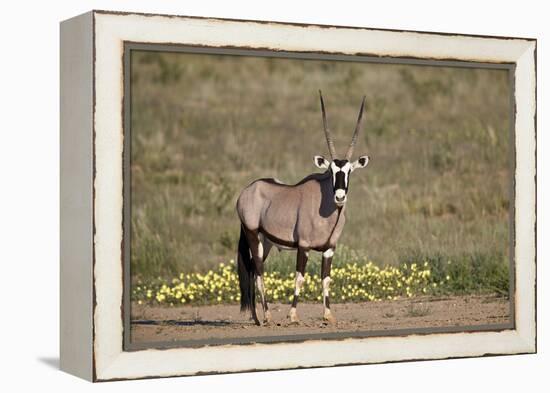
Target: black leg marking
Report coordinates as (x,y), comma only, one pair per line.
(295,301)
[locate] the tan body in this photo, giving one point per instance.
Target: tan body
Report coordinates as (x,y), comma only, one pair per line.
(299,216)
(302,217)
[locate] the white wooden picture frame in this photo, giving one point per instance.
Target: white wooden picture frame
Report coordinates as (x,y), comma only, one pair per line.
(92,194)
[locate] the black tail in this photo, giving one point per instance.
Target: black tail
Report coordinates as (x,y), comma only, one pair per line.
(247,275)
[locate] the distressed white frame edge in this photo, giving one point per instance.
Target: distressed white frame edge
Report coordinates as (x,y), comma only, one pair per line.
(111,30)
(76,205)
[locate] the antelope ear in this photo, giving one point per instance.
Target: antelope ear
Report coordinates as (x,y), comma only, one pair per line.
(321,162)
(360,163)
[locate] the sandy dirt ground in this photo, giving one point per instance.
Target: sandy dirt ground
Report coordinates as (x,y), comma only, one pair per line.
(151,324)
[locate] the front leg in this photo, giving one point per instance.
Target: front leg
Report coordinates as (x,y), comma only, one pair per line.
(325,277)
(301,261)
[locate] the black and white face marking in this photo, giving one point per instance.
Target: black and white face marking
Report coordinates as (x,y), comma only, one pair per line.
(340,170)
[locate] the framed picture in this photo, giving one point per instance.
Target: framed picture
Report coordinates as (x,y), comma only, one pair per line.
(245,195)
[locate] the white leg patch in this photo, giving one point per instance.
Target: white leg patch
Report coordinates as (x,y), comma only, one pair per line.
(326,285)
(328,253)
(260,250)
(260,285)
(299,283)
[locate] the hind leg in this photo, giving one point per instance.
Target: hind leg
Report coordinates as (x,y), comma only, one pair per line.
(252,249)
(266,245)
(259,253)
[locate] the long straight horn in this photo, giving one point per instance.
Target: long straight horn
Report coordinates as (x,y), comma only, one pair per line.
(330,143)
(357,128)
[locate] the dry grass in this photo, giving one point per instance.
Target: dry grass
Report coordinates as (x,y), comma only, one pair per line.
(205,126)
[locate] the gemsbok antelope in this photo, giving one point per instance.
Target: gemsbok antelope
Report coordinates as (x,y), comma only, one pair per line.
(306,216)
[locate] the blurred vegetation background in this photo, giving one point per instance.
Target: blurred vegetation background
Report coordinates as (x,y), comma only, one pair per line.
(203,127)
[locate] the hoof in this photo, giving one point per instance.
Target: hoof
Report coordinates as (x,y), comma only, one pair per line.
(268,319)
(293,316)
(294,320)
(328,317)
